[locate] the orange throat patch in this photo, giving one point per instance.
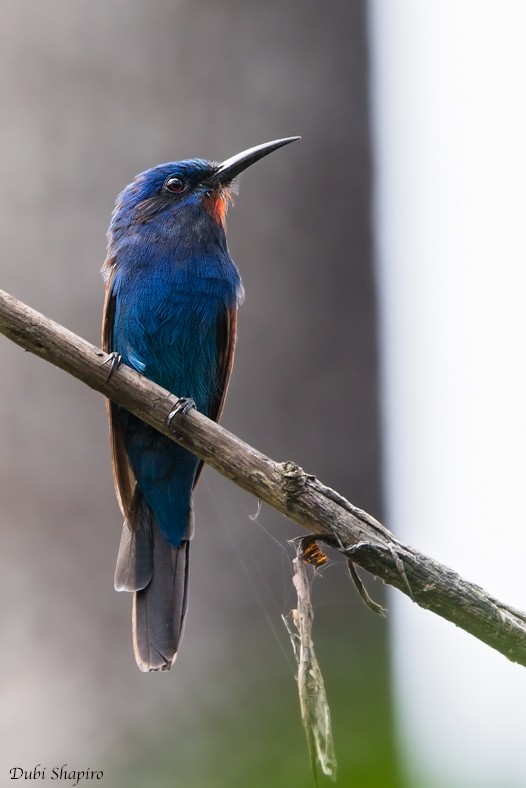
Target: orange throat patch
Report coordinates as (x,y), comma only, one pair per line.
(217,204)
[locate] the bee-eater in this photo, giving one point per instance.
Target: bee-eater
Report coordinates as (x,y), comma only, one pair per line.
(170,312)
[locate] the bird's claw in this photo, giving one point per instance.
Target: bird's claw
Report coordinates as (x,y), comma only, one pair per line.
(114,360)
(181,408)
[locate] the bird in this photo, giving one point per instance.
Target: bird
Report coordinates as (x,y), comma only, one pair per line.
(172,292)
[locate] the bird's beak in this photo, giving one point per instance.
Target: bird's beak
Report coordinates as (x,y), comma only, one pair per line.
(229,169)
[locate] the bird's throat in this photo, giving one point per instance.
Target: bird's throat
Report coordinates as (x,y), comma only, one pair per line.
(217,204)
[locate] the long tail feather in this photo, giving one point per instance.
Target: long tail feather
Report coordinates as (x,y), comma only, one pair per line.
(159,609)
(135,559)
(157,574)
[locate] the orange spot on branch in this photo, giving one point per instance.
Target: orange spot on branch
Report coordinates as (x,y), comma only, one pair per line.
(312,554)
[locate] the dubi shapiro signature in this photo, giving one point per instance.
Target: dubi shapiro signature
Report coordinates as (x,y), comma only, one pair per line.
(63,772)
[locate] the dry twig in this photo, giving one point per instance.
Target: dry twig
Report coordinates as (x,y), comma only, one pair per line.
(314,706)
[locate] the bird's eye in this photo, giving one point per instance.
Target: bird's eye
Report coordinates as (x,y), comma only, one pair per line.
(174,184)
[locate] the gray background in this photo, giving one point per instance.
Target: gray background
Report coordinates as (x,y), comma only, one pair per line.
(92,93)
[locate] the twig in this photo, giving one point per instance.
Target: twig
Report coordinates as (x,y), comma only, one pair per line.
(284,485)
(315,713)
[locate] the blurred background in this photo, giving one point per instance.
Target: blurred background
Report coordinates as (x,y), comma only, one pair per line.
(379,347)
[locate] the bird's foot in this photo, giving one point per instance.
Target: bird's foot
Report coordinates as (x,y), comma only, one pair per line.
(181,408)
(114,360)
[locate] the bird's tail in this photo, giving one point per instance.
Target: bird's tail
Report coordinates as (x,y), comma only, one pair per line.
(157,574)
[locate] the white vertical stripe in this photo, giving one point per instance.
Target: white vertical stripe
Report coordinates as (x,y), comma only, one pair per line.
(449,103)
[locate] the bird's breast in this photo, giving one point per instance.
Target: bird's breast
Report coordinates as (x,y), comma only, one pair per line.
(167,320)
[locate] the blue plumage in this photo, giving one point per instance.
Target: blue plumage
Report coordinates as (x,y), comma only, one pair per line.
(166,327)
(172,293)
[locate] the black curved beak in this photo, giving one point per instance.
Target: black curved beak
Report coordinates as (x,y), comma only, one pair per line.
(229,169)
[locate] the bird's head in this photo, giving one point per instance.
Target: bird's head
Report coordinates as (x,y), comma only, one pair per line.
(185,189)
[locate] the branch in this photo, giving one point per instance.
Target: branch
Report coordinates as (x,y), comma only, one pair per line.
(285,486)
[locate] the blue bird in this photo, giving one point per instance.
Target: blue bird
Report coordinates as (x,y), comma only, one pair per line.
(170,312)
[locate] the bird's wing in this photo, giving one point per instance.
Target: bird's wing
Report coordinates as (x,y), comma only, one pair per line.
(226,346)
(123,476)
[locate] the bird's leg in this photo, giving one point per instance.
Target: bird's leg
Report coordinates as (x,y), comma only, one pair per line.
(181,408)
(114,360)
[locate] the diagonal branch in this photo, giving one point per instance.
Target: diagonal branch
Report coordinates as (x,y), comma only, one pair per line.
(284,486)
